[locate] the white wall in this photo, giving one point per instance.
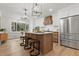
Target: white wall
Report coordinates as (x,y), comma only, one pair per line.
(0,19)
(69,11)
(54,26)
(65,12)
(7,19)
(39,22)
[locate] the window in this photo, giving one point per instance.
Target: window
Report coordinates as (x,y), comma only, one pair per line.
(19,26)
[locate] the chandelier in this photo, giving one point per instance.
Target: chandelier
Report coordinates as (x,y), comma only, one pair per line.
(36,10)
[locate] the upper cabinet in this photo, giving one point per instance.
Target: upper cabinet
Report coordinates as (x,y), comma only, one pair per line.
(48,20)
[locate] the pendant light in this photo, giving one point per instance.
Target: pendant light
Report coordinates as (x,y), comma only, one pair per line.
(36,10)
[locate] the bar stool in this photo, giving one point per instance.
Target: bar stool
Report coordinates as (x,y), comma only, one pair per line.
(35,44)
(28,41)
(22,37)
(23,40)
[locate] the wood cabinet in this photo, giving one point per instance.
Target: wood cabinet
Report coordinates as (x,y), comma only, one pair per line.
(46,44)
(48,20)
(3,36)
(55,37)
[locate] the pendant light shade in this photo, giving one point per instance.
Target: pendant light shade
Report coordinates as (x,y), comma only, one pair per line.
(36,10)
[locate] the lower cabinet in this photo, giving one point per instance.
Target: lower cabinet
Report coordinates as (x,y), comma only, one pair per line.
(46,44)
(65,42)
(3,36)
(70,43)
(77,45)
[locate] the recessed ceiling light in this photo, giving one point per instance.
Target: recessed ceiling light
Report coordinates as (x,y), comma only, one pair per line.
(50,10)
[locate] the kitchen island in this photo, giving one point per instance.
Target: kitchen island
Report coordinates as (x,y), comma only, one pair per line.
(45,39)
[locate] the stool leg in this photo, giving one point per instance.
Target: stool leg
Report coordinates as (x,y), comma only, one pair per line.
(26,42)
(36,45)
(39,45)
(32,50)
(27,45)
(22,44)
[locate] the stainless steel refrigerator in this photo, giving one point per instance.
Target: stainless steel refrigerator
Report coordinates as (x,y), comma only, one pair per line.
(69,31)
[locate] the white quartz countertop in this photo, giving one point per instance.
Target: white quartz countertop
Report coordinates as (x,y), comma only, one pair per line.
(40,32)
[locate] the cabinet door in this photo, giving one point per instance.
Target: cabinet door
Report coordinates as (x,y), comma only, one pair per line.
(77,44)
(3,37)
(72,44)
(66,26)
(62,36)
(62,42)
(65,42)
(48,45)
(74,24)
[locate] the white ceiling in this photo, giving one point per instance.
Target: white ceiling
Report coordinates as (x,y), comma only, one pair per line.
(18,8)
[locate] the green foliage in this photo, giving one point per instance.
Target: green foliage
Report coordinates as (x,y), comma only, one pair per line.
(2,29)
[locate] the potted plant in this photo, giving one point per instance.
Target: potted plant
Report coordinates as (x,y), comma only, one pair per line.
(2,30)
